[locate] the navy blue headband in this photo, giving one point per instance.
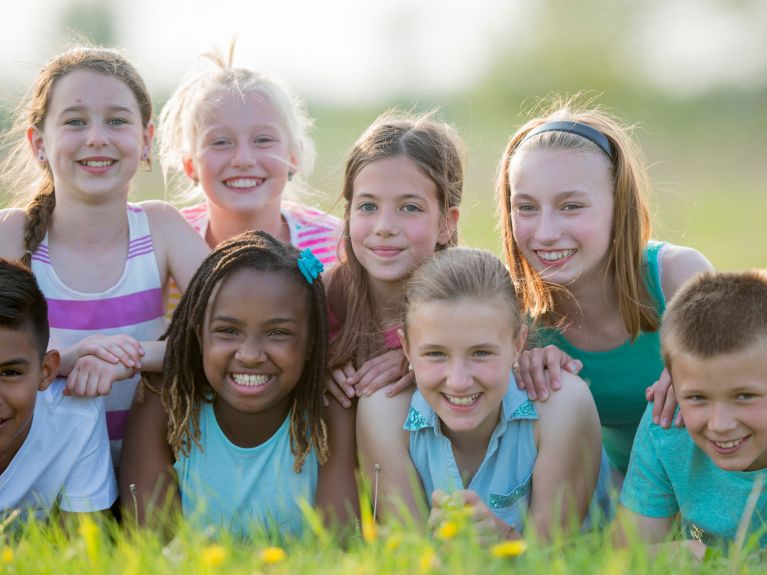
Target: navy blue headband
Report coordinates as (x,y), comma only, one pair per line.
(582,130)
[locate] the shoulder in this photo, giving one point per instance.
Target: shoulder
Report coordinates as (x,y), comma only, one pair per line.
(572,397)
(66,414)
(158,210)
(678,264)
(12,222)
(312,217)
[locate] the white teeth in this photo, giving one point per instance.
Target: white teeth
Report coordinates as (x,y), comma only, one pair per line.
(250,380)
(97,163)
(728,444)
(463,400)
(554,256)
(244,182)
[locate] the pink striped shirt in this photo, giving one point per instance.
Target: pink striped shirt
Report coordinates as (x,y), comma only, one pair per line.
(133,306)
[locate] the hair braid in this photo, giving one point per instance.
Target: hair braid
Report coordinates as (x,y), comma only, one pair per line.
(39,213)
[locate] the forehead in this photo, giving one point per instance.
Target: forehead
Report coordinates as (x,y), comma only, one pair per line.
(394,177)
(91,89)
(462,322)
(18,343)
(240,109)
(252,294)
(746,367)
(558,169)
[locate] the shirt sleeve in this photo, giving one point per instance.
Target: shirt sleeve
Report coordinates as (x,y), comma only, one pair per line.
(91,485)
(647,489)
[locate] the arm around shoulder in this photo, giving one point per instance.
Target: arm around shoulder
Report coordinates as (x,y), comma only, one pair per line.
(148,484)
(179,248)
(680,263)
(569,456)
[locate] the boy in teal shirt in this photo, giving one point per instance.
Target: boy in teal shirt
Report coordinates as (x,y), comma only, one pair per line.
(714,342)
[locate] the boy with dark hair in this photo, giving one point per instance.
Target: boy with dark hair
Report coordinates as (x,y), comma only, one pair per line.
(54,450)
(714,343)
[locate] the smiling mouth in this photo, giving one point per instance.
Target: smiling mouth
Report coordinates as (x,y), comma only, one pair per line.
(97,163)
(728,445)
(244,183)
(462,400)
(554,255)
(251,380)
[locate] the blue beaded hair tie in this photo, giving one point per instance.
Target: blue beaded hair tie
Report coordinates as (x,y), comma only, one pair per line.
(309,265)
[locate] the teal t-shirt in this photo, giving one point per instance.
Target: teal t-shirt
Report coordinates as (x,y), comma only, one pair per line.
(670,474)
(618,377)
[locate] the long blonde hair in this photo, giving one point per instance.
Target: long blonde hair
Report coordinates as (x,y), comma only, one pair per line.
(437,151)
(631,218)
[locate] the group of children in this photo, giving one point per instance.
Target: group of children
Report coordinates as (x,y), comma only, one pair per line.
(446,377)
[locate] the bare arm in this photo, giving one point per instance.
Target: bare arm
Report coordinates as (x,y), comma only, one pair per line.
(629,525)
(382,442)
(569,455)
(336,486)
(12,233)
(680,263)
(179,248)
(148,484)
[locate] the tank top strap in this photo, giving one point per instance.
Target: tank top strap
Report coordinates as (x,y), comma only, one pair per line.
(138,223)
(653,256)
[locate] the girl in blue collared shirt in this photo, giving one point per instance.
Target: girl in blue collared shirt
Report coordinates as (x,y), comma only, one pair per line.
(473,438)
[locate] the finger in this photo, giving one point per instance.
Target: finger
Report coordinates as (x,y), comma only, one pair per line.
(649,392)
(538,376)
(404,382)
(525,377)
(439,497)
(554,366)
(325,400)
(339,395)
(341,380)
(104,385)
(669,406)
(103,353)
(574,366)
(374,376)
(124,357)
(92,385)
(679,421)
(385,378)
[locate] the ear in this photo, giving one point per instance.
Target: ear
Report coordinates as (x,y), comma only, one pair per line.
(520,341)
(51,361)
(449,225)
(36,142)
(147,138)
(190,170)
(403,342)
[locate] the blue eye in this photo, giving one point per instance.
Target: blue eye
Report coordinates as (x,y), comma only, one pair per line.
(525,209)
(571,207)
(367,207)
(117,122)
(411,208)
(74,122)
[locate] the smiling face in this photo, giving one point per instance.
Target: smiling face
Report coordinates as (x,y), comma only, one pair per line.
(242,155)
(562,212)
(462,352)
(255,342)
(724,402)
(395,219)
(93,137)
(22,375)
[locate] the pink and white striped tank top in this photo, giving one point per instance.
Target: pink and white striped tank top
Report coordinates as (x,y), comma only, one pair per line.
(133,306)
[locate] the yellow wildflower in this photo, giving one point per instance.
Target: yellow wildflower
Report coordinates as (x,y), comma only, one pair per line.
(447,530)
(368,524)
(616,563)
(394,541)
(428,560)
(7,555)
(273,555)
(508,548)
(213,555)
(89,532)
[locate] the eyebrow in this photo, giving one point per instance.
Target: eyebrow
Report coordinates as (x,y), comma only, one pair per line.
(229,319)
(74,109)
(368,195)
(559,195)
(15,361)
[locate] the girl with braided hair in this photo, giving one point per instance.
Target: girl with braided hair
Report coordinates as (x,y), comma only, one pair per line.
(101,261)
(237,428)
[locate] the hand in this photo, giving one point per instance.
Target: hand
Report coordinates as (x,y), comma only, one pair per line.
(388,369)
(339,387)
(662,393)
(114,349)
(92,376)
(532,377)
(489,527)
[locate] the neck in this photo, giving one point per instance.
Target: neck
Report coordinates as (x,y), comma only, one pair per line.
(89,223)
(225,224)
(589,300)
(387,300)
(246,429)
(6,457)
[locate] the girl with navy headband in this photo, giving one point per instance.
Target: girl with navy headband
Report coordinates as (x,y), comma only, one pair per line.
(572,188)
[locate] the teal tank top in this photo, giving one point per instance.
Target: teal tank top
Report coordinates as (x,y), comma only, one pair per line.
(244,489)
(618,377)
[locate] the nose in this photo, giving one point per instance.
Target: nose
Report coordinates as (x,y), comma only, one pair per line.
(459,379)
(547,227)
(250,352)
(721,419)
(243,156)
(386,223)
(96,136)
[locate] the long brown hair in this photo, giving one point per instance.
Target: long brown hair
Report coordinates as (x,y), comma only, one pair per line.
(631,218)
(20,171)
(437,151)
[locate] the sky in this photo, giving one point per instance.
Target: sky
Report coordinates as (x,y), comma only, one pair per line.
(366,51)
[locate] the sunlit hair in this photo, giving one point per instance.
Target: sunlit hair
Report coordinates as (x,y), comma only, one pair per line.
(183,117)
(716,313)
(22,304)
(631,218)
(20,171)
(185,386)
(462,274)
(437,151)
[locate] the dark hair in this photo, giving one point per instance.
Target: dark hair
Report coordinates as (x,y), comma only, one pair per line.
(716,313)
(22,304)
(185,386)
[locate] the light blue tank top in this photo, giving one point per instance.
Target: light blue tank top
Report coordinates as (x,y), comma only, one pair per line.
(504,478)
(244,489)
